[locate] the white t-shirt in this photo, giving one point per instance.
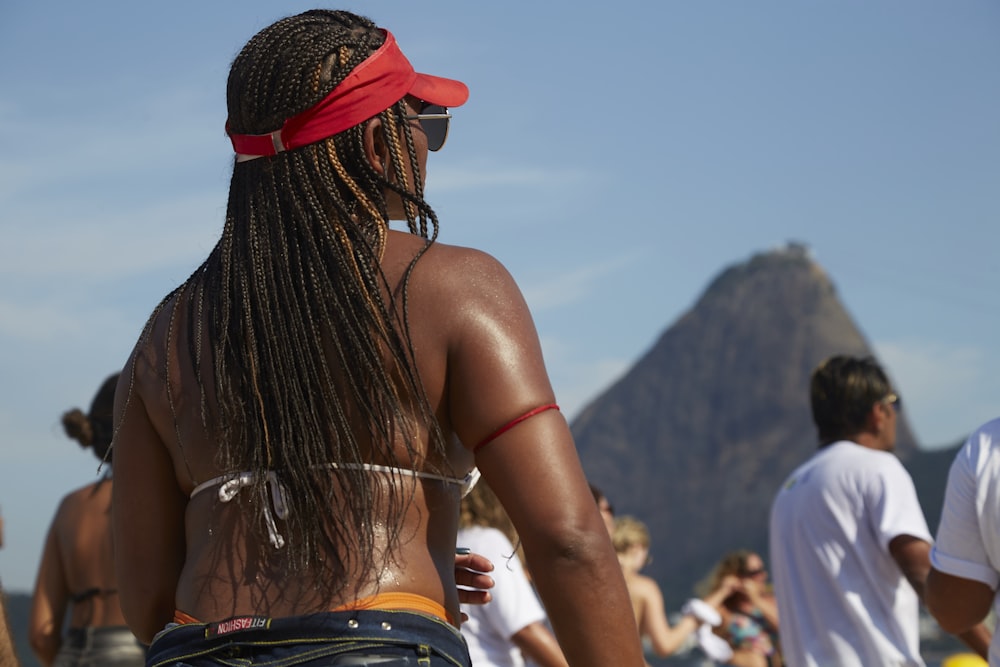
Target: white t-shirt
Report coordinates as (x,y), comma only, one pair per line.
(514,605)
(968,539)
(842,598)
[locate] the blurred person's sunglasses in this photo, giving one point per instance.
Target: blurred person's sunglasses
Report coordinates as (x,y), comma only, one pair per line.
(434,120)
(895,401)
(753,573)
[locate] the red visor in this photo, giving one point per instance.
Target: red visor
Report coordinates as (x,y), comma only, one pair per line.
(383,79)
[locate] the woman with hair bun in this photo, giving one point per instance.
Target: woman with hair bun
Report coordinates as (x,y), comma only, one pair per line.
(77,570)
(299,418)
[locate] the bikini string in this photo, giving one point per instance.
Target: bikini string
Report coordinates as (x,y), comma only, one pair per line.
(229,489)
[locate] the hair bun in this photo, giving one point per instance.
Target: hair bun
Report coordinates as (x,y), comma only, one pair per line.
(77,426)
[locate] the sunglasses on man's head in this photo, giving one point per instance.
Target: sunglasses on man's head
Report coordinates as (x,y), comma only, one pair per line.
(434,121)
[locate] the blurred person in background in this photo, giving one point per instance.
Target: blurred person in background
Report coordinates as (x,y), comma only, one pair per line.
(77,567)
(606,508)
(749,613)
(965,559)
(849,545)
(631,540)
(8,656)
(512,627)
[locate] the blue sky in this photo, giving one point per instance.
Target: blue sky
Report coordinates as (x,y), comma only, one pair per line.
(615,157)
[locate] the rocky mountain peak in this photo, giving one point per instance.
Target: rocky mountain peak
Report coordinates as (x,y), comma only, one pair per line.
(697,436)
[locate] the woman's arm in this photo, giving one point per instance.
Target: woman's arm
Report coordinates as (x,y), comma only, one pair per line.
(147,516)
(496,374)
(763,601)
(730,584)
(48,605)
(8,656)
(654,624)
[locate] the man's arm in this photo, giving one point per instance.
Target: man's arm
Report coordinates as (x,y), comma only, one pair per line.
(537,643)
(959,605)
(912,554)
(962,582)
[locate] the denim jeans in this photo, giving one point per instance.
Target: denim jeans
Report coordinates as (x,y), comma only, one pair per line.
(100,647)
(378,638)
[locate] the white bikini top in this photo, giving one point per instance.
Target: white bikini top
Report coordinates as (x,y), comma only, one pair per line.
(230,485)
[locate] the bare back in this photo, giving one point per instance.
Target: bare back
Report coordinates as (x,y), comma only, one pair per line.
(77,570)
(83,529)
(215,533)
(643,592)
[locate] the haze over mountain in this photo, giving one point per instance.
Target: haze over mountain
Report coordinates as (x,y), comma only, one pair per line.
(697,436)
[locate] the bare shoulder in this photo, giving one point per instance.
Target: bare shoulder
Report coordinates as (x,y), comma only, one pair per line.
(457,280)
(75,502)
(644,586)
(80,494)
(146,370)
(459,268)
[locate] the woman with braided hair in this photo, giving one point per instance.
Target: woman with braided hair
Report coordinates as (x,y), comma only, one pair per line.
(77,570)
(297,421)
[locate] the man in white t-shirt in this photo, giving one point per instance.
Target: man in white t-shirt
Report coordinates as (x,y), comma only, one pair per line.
(966,556)
(849,543)
(511,629)
(514,620)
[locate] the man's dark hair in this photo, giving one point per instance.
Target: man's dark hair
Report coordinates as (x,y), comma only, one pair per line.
(843,391)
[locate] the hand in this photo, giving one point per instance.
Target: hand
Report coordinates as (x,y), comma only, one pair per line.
(729,585)
(753,588)
(732,584)
(470,576)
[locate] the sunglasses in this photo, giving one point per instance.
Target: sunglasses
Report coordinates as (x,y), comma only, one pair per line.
(753,573)
(434,120)
(895,401)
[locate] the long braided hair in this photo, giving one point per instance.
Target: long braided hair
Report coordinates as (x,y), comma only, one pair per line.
(300,345)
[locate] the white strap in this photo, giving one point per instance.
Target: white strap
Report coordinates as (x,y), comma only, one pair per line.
(230,485)
(467,483)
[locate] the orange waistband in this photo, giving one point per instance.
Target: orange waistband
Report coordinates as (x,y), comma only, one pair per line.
(396,601)
(184,619)
(399,601)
